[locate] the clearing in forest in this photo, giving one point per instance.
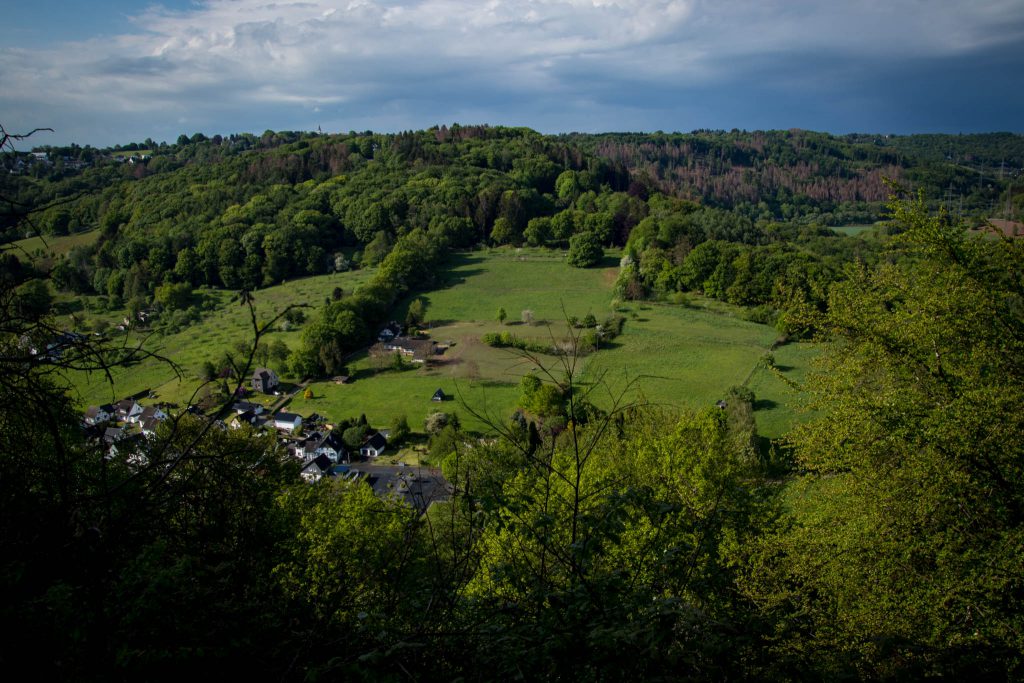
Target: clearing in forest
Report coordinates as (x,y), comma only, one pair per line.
(669,355)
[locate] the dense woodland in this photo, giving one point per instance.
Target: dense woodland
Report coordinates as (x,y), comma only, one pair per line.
(883,540)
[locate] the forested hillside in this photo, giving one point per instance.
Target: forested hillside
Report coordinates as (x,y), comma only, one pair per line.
(621,541)
(739,216)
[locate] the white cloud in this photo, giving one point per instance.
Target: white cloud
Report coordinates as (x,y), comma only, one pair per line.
(438,57)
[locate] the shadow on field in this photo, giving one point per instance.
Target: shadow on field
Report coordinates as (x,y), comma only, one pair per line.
(492,383)
(609,345)
(459,278)
(765,404)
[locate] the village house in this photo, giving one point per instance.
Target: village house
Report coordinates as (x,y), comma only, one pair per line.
(264,381)
(95,415)
(287,422)
(326,443)
(373,446)
(150,419)
(417,487)
(112,435)
(389,332)
(416,350)
(247,407)
(316,469)
(128,410)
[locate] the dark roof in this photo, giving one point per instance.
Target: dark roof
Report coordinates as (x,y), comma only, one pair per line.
(112,434)
(126,405)
(376,442)
(419,348)
(287,417)
(320,462)
(439,394)
(332,440)
(93,411)
(416,486)
(149,413)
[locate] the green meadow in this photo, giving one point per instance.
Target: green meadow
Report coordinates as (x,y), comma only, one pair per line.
(668,355)
(678,356)
(44,250)
(218,331)
(860,230)
(483,381)
(479,283)
(778,394)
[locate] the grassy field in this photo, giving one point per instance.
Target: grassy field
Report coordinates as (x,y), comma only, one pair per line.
(44,250)
(480,283)
(482,379)
(678,356)
(777,405)
(219,331)
(857,230)
(668,355)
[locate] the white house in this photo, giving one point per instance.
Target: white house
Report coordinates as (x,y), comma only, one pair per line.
(128,410)
(374,446)
(150,419)
(331,446)
(316,469)
(287,422)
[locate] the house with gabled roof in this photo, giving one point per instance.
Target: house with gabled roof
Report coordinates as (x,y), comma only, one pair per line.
(373,446)
(112,435)
(331,445)
(245,406)
(128,410)
(439,395)
(95,415)
(150,419)
(287,422)
(152,413)
(264,380)
(418,487)
(416,350)
(149,426)
(316,469)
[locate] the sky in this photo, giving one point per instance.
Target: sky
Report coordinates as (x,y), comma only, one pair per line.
(115,71)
